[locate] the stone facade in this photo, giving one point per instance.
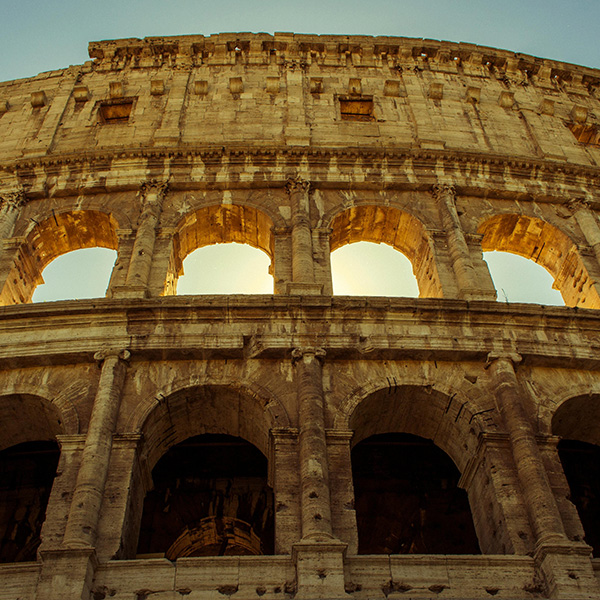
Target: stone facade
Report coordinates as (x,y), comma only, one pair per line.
(297,145)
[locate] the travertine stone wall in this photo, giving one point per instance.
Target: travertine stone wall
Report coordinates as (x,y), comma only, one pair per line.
(157,147)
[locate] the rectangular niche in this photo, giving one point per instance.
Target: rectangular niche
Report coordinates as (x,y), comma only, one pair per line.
(116,110)
(586,134)
(356,109)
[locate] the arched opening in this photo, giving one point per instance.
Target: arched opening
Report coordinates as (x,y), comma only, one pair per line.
(401,231)
(407,498)
(210,443)
(29,457)
(409,444)
(519,279)
(76,275)
(581,464)
(368,269)
(577,422)
(547,246)
(226,269)
(27,472)
(53,237)
(232,228)
(210,497)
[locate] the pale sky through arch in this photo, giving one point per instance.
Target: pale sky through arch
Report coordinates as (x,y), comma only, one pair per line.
(40,36)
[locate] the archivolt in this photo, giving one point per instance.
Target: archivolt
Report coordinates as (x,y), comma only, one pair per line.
(57,235)
(546,245)
(445,416)
(187,408)
(219,224)
(388,225)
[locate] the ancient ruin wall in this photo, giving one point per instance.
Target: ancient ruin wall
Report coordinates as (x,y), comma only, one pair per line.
(297,145)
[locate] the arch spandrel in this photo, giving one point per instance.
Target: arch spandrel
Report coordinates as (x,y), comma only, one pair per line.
(549,247)
(389,225)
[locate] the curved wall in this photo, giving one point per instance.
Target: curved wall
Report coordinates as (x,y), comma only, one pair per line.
(296,145)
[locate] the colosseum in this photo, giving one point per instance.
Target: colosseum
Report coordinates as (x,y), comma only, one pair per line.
(300,445)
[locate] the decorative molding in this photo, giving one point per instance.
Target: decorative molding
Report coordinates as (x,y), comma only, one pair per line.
(12,200)
(122,355)
(297,184)
(305,351)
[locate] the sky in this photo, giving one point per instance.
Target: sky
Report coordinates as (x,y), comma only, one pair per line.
(37,36)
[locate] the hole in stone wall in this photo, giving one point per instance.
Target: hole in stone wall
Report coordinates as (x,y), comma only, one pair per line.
(210,498)
(586,133)
(356,109)
(369,269)
(226,269)
(407,499)
(27,472)
(76,275)
(115,111)
(518,279)
(581,464)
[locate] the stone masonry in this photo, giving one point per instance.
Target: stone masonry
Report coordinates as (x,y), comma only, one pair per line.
(297,145)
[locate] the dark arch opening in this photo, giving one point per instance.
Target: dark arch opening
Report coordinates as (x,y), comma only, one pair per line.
(581,464)
(210,497)
(27,472)
(407,498)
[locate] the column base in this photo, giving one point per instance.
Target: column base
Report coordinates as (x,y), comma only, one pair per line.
(129,291)
(319,570)
(303,289)
(566,570)
(478,294)
(66,574)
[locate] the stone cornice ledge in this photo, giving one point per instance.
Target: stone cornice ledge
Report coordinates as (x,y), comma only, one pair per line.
(518,167)
(572,335)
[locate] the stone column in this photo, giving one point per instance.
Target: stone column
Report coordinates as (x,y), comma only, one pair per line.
(458,249)
(564,565)
(10,207)
(285,481)
(82,524)
(586,219)
(314,470)
(303,273)
(138,274)
(319,557)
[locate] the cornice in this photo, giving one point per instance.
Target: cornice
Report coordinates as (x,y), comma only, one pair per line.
(301,50)
(524,167)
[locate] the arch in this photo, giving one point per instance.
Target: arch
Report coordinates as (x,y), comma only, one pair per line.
(210,497)
(222,224)
(578,418)
(447,420)
(48,239)
(399,229)
(545,244)
(28,418)
(407,498)
(215,409)
(60,395)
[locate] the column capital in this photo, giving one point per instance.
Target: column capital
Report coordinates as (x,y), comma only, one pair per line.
(513,357)
(153,191)
(297,184)
(576,204)
(14,199)
(308,352)
(441,190)
(121,354)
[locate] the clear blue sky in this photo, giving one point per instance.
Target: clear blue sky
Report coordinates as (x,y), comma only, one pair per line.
(38,36)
